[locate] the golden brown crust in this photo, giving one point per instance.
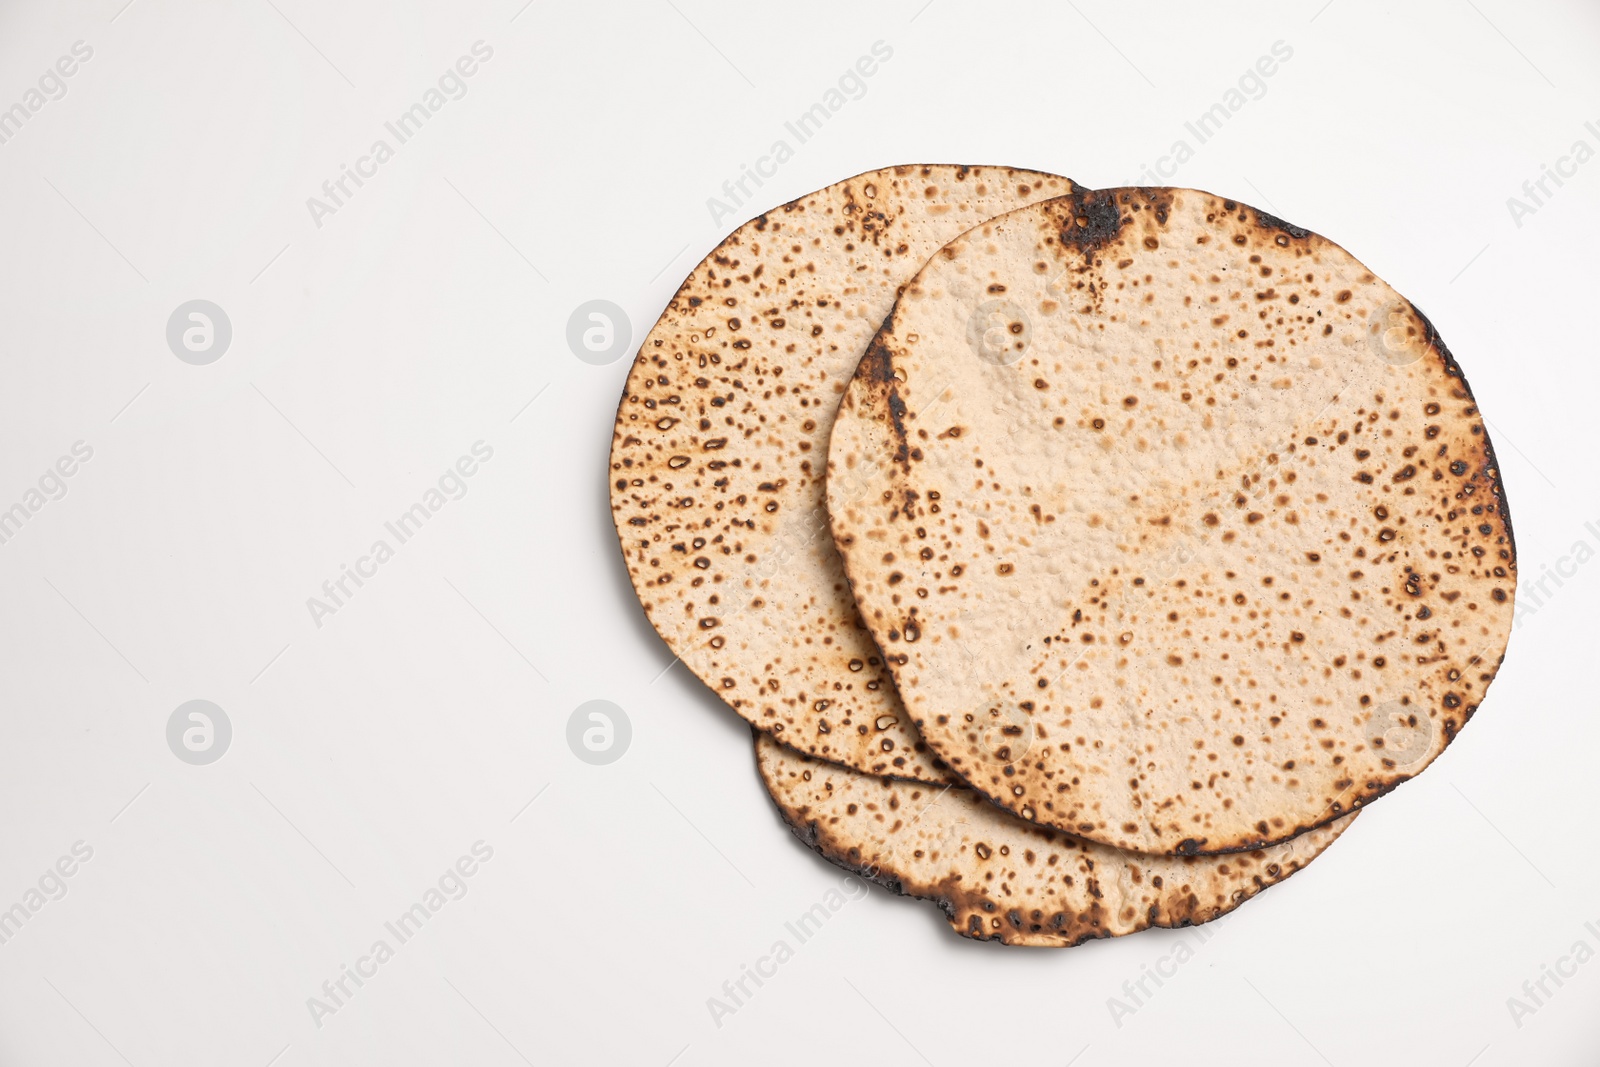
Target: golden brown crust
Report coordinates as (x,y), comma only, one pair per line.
(997,878)
(721,439)
(1194,542)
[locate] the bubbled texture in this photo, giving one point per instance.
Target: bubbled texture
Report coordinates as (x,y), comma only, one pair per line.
(1181,530)
(721,440)
(998,878)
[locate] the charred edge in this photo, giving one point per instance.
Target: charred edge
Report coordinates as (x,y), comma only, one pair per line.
(1275,223)
(1497,489)
(809,833)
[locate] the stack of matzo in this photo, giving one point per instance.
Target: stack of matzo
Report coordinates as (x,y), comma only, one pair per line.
(1083,559)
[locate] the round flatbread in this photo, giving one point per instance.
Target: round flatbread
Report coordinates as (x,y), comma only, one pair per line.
(721,440)
(998,878)
(1184,533)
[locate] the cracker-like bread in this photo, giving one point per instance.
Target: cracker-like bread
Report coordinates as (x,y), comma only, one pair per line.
(721,441)
(1182,531)
(998,878)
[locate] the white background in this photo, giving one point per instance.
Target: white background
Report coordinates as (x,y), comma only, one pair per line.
(370,352)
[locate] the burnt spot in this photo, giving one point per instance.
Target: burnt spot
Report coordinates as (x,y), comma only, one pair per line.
(875,366)
(1272,222)
(1087,219)
(897,416)
(876,369)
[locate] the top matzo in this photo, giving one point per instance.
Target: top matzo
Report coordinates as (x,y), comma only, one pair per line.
(1183,532)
